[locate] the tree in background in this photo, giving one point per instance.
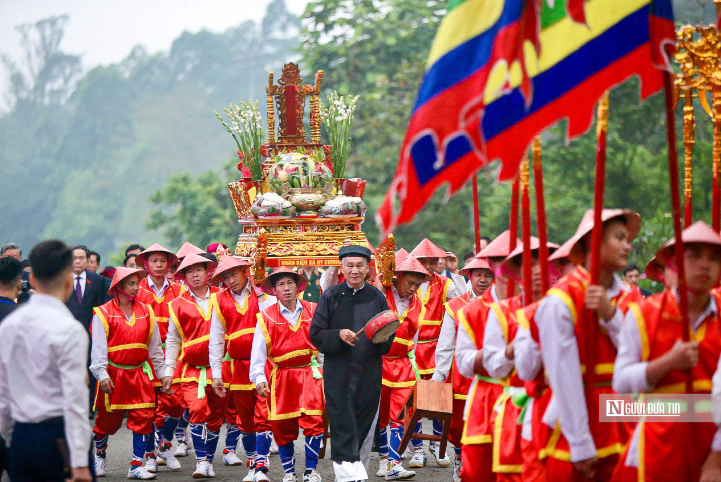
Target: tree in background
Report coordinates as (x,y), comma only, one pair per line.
(46,75)
(83,170)
(196,209)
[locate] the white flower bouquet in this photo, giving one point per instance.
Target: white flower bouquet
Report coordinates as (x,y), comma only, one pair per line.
(246,128)
(338,117)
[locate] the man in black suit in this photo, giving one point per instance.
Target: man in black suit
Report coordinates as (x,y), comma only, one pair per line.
(89,291)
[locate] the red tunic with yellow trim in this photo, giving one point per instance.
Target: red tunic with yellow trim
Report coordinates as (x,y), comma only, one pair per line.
(505,415)
(239,323)
(664,447)
(430,326)
(610,437)
(538,388)
(160,308)
(194,327)
(127,353)
(398,373)
(483,392)
(293,390)
(460,383)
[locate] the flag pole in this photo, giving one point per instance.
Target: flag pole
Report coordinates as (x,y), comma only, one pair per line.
(541,215)
(689,139)
(590,319)
(526,232)
(676,212)
(513,228)
(476,216)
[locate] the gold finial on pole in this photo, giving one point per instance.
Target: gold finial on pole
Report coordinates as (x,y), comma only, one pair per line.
(602,115)
(271,111)
(315,118)
(698,53)
(525,174)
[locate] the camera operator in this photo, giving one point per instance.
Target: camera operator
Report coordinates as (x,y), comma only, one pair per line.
(10,284)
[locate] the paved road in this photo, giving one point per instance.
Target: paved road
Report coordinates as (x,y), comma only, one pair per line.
(120,450)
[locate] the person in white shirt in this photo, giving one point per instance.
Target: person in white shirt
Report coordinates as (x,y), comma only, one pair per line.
(125,339)
(44,404)
(481,278)
(653,358)
(233,323)
(295,390)
(583,445)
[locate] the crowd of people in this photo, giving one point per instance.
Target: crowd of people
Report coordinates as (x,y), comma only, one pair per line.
(180,343)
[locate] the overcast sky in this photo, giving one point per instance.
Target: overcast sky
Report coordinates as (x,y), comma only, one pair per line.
(104,31)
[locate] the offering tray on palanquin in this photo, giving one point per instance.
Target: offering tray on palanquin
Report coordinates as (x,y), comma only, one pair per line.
(297,213)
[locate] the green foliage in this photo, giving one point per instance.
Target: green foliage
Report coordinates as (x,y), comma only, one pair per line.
(196,209)
(83,170)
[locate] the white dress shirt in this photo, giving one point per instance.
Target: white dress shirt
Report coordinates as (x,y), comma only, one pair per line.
(556,330)
(402,304)
(629,373)
(494,349)
(99,351)
(173,341)
(158,291)
(466,348)
(259,352)
(216,346)
(43,356)
(446,346)
(527,355)
(83,281)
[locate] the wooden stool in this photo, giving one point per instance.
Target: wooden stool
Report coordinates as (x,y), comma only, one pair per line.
(432,400)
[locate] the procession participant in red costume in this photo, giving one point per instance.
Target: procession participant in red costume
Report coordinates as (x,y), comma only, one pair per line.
(232,433)
(529,364)
(125,337)
(434,294)
(180,431)
(399,367)
(190,330)
(481,277)
(234,319)
(295,390)
(653,358)
(499,362)
(573,448)
(484,390)
(157,292)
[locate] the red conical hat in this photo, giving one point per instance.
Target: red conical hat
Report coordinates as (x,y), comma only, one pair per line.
(121,273)
(426,249)
(227,262)
(188,248)
(654,270)
(401,255)
(586,226)
(141,259)
(510,265)
(498,248)
(412,265)
(475,263)
(699,232)
(300,280)
(189,260)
